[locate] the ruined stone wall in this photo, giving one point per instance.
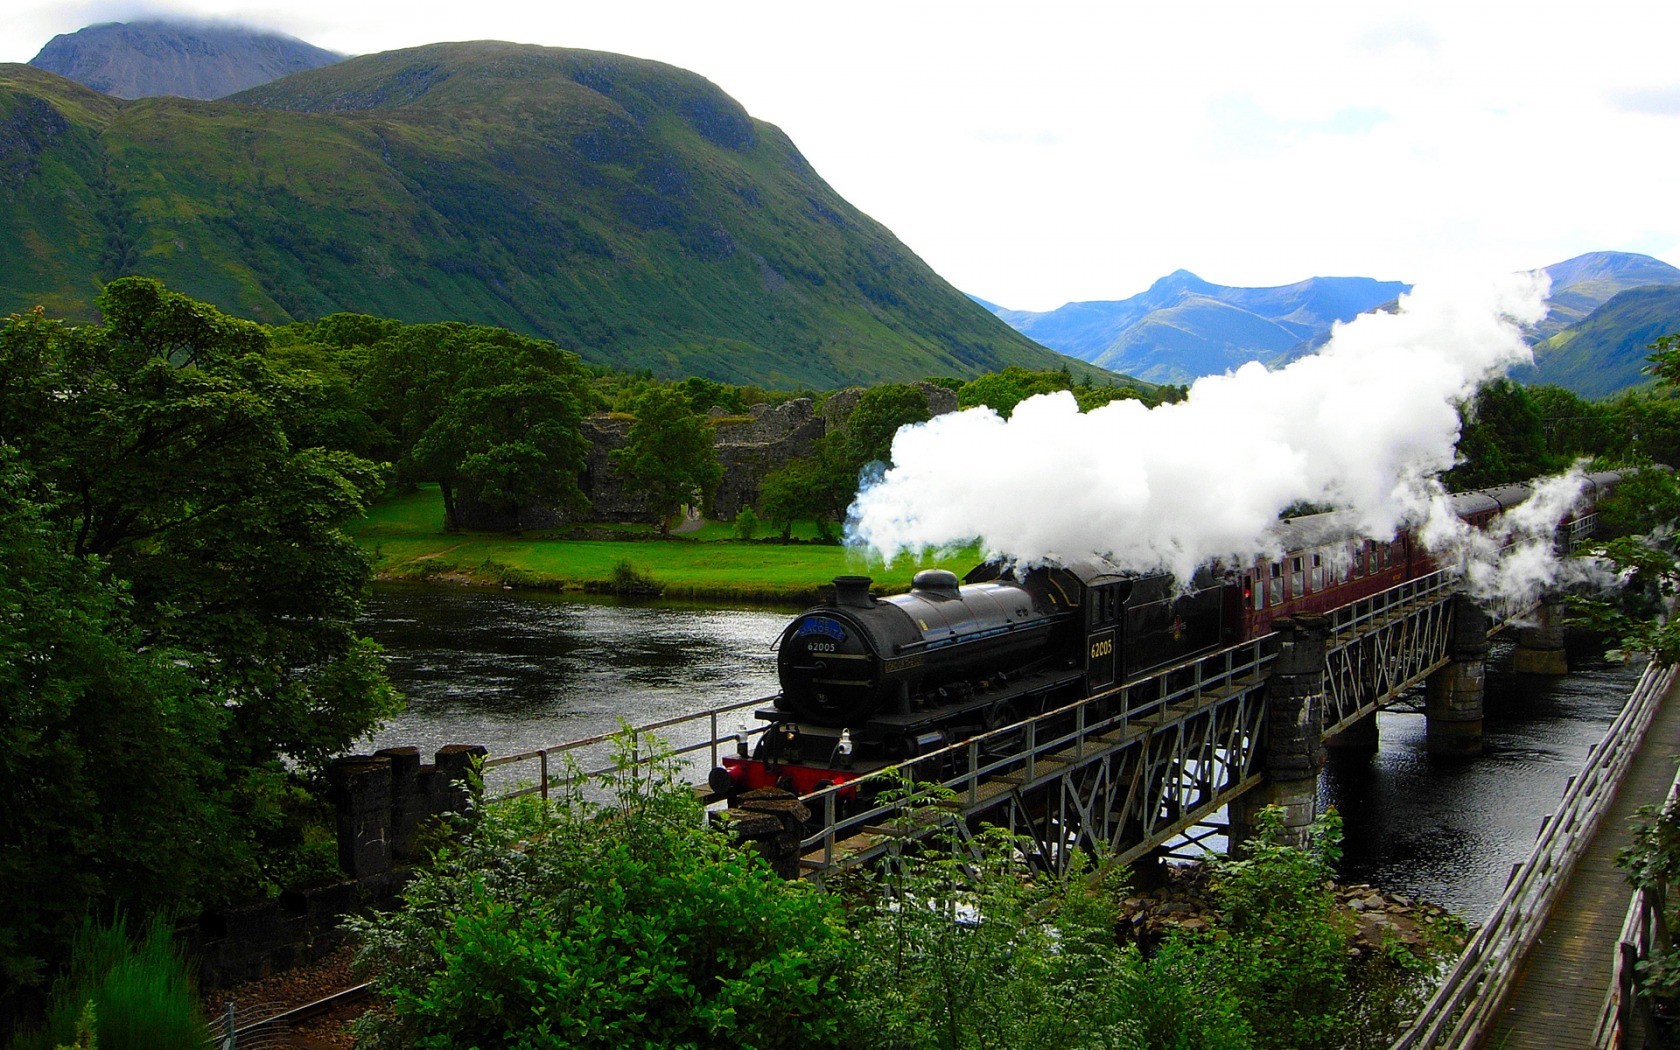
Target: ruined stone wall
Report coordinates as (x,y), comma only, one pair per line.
(747,450)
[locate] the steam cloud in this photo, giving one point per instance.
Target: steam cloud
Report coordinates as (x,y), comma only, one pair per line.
(1364,427)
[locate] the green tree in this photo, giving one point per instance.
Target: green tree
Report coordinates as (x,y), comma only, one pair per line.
(669,458)
(191,602)
(104,747)
(624,923)
(815,488)
(492,416)
(1002,391)
(877,417)
(1502,438)
(1285,956)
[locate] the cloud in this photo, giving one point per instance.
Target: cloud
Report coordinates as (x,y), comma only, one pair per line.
(1392,36)
(1655,102)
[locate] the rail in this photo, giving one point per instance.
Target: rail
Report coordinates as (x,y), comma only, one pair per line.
(1644,928)
(1460,1012)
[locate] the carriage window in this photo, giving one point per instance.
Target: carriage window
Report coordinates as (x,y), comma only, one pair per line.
(1275,589)
(1297,578)
(1318,572)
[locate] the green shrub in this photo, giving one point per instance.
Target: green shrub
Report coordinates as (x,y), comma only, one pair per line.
(627,923)
(746,524)
(122,993)
(627,579)
(961,946)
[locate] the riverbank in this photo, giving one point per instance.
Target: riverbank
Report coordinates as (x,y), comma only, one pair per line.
(405,537)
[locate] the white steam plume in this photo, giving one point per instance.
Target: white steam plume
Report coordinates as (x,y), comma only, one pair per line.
(1365,427)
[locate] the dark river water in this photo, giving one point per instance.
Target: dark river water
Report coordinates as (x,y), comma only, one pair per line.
(516,671)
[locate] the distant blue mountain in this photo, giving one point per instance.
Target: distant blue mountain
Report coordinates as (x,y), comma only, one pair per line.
(1183,327)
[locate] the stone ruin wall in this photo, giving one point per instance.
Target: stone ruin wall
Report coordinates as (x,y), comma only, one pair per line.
(748,451)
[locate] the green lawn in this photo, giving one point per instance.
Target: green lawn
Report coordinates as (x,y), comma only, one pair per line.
(406,538)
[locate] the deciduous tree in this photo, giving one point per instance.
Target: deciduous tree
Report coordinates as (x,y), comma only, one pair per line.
(669,459)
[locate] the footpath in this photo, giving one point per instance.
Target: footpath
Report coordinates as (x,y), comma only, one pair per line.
(1561,987)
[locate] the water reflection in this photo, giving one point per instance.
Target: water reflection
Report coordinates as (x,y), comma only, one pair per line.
(1450,830)
(515,671)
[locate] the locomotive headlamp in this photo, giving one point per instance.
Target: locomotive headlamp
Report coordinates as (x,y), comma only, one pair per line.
(843,749)
(742,738)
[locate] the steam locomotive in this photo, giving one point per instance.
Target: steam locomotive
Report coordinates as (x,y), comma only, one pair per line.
(869,681)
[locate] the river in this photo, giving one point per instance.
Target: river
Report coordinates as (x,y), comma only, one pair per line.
(520,670)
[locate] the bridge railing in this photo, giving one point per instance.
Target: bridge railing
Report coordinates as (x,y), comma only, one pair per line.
(687,738)
(1361,615)
(1073,731)
(1462,1010)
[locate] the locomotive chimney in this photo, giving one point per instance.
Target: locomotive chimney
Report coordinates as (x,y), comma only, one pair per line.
(853,590)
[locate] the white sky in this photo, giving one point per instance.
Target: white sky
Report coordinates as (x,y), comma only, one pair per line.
(1036,153)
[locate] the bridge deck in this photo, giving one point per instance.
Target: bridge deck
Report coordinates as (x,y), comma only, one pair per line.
(1561,987)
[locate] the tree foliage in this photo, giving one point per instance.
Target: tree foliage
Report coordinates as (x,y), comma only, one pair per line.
(877,417)
(490,415)
(1502,438)
(185,599)
(624,923)
(668,457)
(815,488)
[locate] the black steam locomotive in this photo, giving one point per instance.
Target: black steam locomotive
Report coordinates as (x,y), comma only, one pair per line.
(870,681)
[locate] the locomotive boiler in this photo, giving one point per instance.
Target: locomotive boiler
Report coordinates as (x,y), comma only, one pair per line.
(867,680)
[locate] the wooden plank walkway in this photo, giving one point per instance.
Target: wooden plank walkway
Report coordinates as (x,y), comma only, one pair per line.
(1561,986)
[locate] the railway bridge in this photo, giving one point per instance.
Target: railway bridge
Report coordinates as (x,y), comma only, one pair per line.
(1123,773)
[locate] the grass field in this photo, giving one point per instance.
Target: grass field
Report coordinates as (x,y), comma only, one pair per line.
(406,538)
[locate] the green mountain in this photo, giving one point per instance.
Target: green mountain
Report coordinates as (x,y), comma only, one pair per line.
(624,208)
(1606,352)
(138,59)
(1585,283)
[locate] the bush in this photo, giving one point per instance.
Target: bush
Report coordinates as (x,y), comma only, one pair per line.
(746,524)
(963,946)
(628,580)
(626,923)
(122,994)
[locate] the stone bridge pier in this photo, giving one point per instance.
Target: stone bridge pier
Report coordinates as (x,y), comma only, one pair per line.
(1453,694)
(1294,749)
(1540,646)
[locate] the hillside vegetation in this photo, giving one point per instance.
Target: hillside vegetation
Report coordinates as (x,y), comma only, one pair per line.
(623,208)
(1607,352)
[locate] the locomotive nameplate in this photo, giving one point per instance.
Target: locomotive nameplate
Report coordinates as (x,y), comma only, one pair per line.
(903,663)
(821,625)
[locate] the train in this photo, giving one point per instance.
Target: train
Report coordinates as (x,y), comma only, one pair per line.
(869,681)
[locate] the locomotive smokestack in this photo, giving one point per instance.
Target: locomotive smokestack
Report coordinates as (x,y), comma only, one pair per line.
(853,590)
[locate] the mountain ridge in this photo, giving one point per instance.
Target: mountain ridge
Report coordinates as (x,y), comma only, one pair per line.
(1183,327)
(151,57)
(627,209)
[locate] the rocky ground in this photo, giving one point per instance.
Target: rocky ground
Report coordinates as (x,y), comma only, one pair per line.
(1184,901)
